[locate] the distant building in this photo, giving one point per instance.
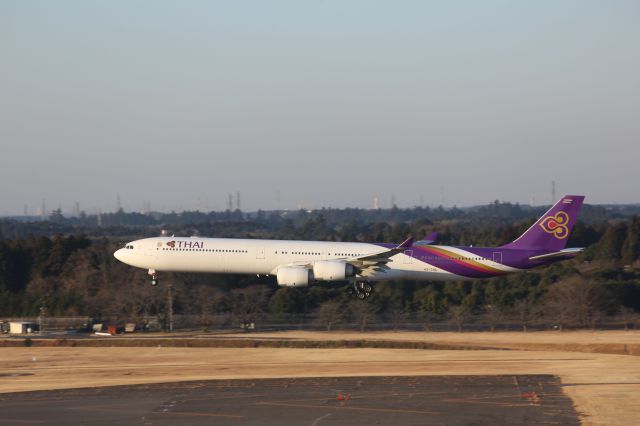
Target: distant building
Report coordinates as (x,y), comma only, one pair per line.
(23,327)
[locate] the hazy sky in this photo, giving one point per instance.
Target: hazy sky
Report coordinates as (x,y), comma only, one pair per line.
(328,102)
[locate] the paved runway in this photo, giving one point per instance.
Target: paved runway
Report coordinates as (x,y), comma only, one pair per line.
(418,400)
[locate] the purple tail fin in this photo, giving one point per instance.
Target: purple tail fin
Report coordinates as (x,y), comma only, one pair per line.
(552,230)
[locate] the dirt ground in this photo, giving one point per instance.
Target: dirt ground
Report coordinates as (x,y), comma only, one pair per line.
(604,387)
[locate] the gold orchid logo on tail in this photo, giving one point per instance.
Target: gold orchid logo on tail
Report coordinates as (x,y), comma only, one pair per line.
(556,225)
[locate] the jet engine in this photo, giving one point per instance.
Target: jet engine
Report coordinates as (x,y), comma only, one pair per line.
(294,277)
(332,270)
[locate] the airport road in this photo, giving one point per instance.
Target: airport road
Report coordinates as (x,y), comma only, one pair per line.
(424,400)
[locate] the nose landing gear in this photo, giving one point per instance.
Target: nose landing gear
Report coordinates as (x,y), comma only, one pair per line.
(154,277)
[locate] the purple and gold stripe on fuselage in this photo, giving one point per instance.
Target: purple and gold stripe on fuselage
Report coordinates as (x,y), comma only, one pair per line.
(459,264)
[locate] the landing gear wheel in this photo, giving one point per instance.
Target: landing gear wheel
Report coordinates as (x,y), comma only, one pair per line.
(361,290)
(154,281)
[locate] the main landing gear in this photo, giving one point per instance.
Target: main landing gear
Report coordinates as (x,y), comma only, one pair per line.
(154,277)
(362,290)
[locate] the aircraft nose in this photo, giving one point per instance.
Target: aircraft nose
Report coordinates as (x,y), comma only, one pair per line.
(119,254)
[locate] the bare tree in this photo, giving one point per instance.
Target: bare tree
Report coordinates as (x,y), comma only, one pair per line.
(628,316)
(135,301)
(362,312)
(526,312)
(397,314)
(459,315)
(556,309)
(206,300)
(494,314)
(428,317)
(330,314)
(247,304)
(577,301)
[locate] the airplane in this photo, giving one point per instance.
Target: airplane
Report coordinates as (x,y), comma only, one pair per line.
(301,263)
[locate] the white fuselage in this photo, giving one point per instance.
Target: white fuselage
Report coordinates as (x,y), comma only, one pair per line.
(264,257)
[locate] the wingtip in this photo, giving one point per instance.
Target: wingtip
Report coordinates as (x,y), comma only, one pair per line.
(406,243)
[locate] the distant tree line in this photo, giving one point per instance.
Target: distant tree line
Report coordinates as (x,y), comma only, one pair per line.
(76,274)
(236,223)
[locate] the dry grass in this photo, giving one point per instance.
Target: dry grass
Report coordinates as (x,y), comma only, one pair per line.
(605,387)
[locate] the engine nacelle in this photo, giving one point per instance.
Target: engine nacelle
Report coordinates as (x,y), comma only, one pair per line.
(332,270)
(294,277)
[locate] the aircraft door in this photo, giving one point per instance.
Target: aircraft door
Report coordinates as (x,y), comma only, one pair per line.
(497,256)
(260,253)
(155,249)
(149,249)
(150,252)
(408,258)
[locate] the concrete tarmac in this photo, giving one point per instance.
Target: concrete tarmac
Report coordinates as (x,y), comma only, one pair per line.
(419,400)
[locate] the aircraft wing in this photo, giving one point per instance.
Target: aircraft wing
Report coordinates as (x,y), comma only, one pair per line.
(378,260)
(375,261)
(570,252)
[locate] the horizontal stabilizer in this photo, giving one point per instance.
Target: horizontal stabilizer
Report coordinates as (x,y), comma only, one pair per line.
(429,239)
(570,252)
